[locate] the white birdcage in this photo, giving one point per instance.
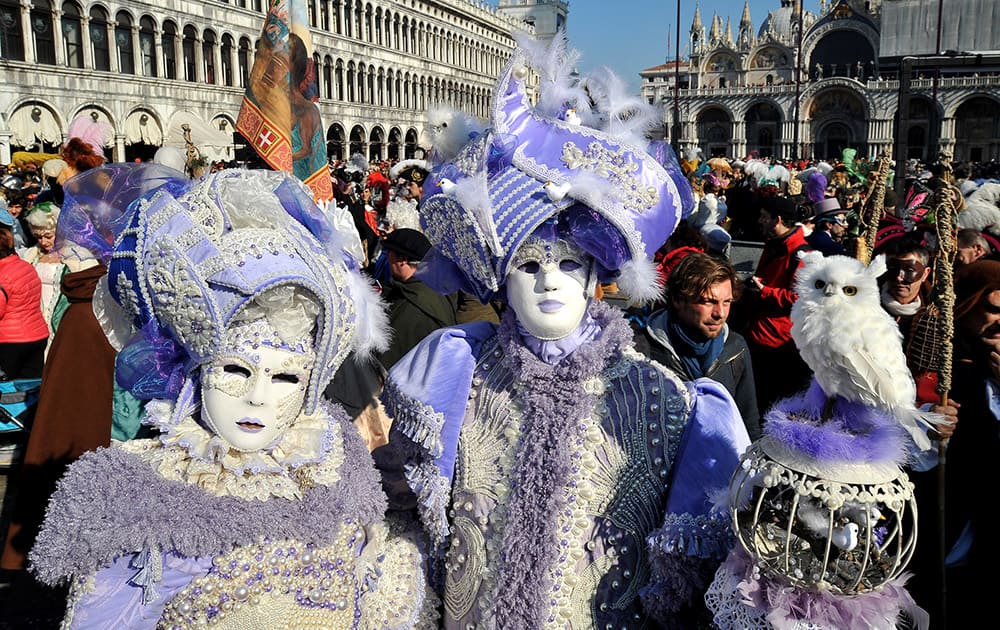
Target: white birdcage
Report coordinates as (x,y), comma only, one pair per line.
(845,527)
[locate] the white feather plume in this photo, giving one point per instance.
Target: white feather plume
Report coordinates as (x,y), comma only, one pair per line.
(639,281)
(372,333)
(756,169)
(691,153)
(555,65)
(825,167)
(981,216)
(623,113)
(803,176)
(356,164)
(450,130)
(778,173)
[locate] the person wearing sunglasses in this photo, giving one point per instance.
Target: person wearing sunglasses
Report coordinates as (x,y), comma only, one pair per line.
(830,225)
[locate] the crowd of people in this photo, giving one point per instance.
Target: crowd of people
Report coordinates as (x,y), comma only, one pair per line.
(509,305)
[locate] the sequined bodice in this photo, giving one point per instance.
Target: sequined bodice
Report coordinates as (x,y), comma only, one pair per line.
(621,459)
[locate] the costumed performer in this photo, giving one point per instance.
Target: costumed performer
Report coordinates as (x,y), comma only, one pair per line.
(257,505)
(563,479)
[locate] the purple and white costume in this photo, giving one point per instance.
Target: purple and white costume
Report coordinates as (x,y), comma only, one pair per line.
(202,525)
(564,481)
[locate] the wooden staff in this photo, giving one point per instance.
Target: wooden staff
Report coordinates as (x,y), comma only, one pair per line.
(945,202)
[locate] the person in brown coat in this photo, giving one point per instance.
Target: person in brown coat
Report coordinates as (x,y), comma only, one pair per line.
(73,414)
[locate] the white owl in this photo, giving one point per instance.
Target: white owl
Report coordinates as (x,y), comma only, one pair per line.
(852,345)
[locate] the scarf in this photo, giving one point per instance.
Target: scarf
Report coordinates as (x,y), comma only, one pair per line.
(554,351)
(897,309)
(697,356)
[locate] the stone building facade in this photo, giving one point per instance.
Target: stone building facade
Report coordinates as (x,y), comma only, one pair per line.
(150,67)
(744,94)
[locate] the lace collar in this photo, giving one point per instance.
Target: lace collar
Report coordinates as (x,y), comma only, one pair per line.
(309,453)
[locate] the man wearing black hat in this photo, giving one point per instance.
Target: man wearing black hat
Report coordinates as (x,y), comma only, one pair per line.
(413,173)
(831,224)
(415,310)
(769,329)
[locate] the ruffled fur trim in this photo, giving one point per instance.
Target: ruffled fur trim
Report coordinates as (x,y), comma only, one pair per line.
(111,503)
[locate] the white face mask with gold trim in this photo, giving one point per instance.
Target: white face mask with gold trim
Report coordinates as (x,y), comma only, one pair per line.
(549,287)
(253,392)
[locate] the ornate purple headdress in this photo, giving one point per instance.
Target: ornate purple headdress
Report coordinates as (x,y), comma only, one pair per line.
(580,151)
(188,259)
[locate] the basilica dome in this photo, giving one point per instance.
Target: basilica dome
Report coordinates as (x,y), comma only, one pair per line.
(783,20)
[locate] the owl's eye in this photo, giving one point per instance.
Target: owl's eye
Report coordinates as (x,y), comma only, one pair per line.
(850,291)
(820,284)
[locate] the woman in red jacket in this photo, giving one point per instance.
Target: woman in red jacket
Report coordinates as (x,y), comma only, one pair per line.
(23,332)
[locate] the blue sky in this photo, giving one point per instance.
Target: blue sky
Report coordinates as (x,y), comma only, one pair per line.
(631,35)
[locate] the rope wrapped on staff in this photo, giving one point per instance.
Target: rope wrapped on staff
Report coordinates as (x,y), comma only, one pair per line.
(931,348)
(873,209)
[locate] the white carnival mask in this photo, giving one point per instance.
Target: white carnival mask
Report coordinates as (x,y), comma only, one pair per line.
(253,392)
(549,287)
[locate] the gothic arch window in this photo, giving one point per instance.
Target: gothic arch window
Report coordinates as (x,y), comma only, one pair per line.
(406,91)
(123,43)
(350,82)
(335,142)
(362,82)
(395,137)
(376,139)
(338,17)
(338,72)
(357,140)
(147,45)
(11,37)
(348,26)
(168,43)
(208,56)
(380,87)
(99,44)
(311,12)
(379,38)
(226,52)
(187,50)
(328,77)
(977,129)
(369,35)
(72,32)
(410,148)
(372,98)
(243,60)
(324,15)
(43,32)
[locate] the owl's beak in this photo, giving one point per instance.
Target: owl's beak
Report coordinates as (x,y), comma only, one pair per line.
(828,291)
